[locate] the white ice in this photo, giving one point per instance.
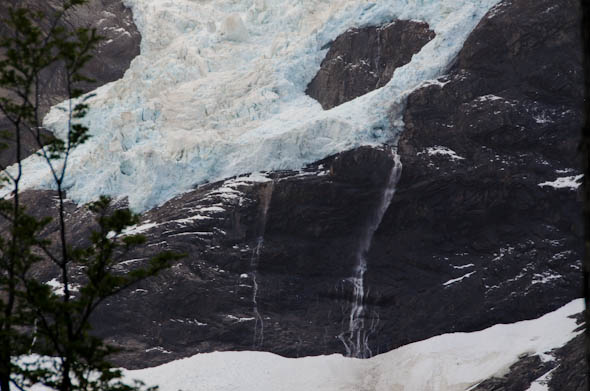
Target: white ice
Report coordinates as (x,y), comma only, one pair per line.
(218,90)
(449,362)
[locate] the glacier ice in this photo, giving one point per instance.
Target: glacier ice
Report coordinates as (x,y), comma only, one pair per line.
(218,90)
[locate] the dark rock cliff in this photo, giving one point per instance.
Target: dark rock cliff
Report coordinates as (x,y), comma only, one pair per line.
(477,150)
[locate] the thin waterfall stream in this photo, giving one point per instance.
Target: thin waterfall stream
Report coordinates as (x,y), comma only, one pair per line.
(265,198)
(356,338)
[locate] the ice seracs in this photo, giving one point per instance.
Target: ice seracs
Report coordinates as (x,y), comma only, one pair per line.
(218,90)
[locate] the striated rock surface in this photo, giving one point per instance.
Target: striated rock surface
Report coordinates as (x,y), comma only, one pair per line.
(364,59)
(114,22)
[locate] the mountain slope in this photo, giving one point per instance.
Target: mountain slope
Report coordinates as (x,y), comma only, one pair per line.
(483,227)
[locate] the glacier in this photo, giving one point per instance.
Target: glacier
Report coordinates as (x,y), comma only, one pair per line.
(218,90)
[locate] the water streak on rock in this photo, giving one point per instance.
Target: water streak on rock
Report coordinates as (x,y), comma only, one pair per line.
(356,338)
(265,198)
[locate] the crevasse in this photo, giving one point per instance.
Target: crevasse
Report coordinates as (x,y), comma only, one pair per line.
(218,90)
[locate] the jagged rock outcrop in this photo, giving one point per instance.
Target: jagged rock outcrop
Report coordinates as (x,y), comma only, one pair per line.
(114,22)
(364,59)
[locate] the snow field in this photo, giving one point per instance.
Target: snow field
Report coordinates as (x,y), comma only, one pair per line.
(449,362)
(218,90)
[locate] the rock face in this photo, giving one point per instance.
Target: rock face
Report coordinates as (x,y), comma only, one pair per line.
(572,373)
(364,59)
(482,151)
(483,228)
(252,280)
(114,22)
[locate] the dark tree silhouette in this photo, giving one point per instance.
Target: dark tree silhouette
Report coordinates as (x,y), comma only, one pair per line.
(33,317)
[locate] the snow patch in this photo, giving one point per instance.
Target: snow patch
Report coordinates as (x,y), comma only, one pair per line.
(542,383)
(58,287)
(463,266)
(488,98)
(442,151)
(545,278)
(240,320)
(566,182)
(435,82)
(454,280)
(158,349)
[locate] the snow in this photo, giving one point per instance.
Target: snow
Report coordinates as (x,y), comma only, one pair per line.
(542,383)
(218,91)
(436,82)
(566,182)
(542,119)
(58,287)
(442,151)
(233,29)
(488,98)
(158,349)
(545,277)
(454,280)
(449,362)
(131,261)
(135,229)
(463,266)
(240,320)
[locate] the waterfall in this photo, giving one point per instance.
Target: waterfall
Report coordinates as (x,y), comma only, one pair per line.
(265,198)
(356,338)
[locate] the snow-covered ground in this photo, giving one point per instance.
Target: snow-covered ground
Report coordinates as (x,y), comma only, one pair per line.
(450,362)
(218,90)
